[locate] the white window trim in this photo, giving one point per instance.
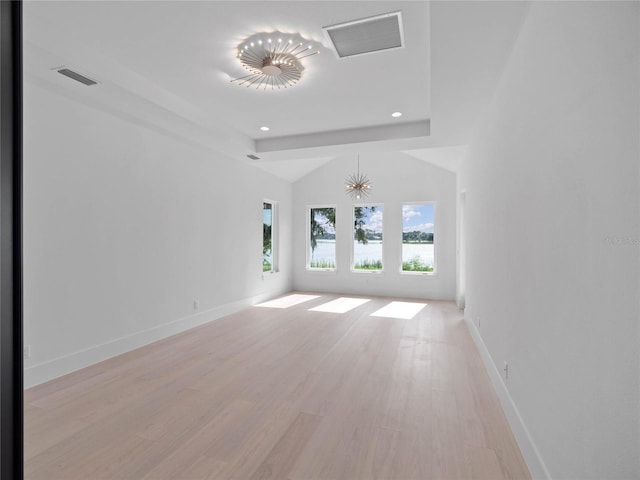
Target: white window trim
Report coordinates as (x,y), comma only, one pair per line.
(274,237)
(353,221)
(308,238)
(435,236)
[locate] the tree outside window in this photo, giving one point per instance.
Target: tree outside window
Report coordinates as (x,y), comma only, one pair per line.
(267,237)
(367,238)
(322,238)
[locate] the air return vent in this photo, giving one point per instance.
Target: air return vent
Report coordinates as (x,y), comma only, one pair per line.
(367,35)
(76,76)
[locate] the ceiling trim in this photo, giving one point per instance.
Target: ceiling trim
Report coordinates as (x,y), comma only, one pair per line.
(420,128)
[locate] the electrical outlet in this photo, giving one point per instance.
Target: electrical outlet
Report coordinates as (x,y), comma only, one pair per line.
(26,351)
(196,304)
(506,370)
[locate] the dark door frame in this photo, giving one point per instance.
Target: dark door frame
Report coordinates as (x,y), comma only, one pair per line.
(11,363)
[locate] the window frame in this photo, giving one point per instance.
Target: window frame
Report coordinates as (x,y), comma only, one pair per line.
(352,234)
(308,239)
(274,236)
(435,236)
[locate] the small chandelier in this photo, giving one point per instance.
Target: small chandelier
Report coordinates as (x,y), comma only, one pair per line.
(358,185)
(273,59)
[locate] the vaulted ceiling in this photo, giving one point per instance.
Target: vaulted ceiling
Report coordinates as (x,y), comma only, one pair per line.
(168,65)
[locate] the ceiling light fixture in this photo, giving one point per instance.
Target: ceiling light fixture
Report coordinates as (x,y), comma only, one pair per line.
(396,114)
(358,185)
(264,129)
(273,64)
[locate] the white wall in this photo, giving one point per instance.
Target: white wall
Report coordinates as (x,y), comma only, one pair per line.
(552,197)
(396,178)
(124,228)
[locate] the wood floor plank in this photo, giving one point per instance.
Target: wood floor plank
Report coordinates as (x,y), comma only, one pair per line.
(407,375)
(189,407)
(339,447)
(378,462)
(87,454)
(448,439)
(244,460)
(441,373)
(282,393)
(467,399)
(204,468)
(484,464)
(202,442)
(58,429)
(280,459)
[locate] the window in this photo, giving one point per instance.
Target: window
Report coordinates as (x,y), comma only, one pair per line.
(322,238)
(268,257)
(417,237)
(367,238)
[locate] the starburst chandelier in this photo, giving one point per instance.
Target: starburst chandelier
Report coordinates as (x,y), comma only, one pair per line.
(273,59)
(358,185)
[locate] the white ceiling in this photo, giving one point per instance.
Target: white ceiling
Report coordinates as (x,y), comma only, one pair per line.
(168,64)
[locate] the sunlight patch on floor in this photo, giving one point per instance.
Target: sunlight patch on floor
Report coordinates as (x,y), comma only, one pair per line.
(340,305)
(403,310)
(288,301)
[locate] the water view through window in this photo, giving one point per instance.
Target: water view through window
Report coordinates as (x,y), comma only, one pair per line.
(417,238)
(322,238)
(367,237)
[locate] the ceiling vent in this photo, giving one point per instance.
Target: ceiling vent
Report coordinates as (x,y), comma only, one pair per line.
(76,76)
(367,35)
(253,157)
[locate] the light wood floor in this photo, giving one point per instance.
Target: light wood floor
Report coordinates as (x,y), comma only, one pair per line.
(281,394)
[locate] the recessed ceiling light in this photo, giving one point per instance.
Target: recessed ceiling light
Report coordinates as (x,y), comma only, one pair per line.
(264,129)
(396,114)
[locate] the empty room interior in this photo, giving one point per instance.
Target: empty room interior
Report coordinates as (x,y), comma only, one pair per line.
(331,240)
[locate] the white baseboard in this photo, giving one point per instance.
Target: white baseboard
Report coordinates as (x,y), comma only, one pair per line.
(530,452)
(48,370)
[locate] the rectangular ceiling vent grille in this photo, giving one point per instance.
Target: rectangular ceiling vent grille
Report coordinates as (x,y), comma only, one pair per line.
(76,76)
(367,35)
